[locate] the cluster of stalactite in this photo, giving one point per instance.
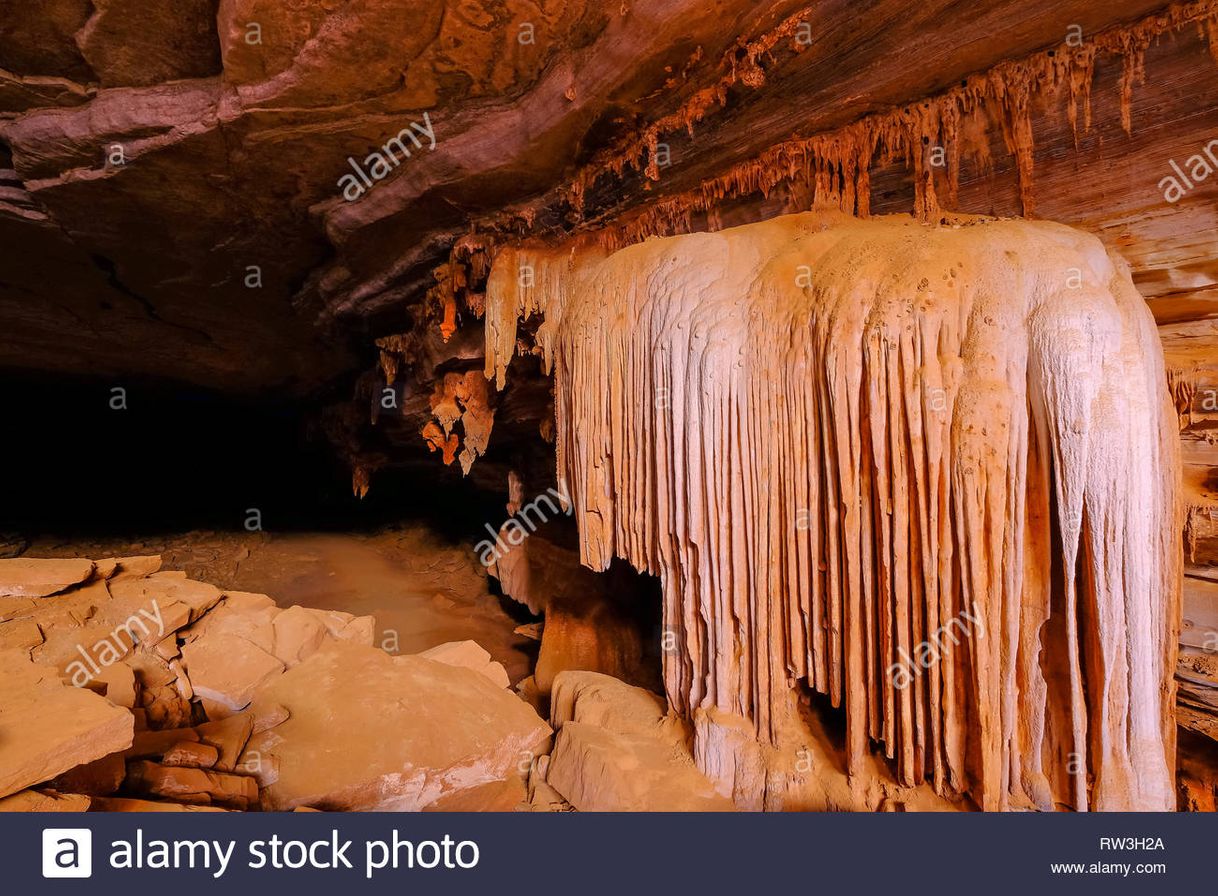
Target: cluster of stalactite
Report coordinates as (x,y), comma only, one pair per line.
(836,165)
(833,169)
(459,282)
(930,470)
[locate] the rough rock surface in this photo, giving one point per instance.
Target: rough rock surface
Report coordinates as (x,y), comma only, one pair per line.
(563,134)
(616,751)
(38,578)
(469,655)
(199,98)
(48,727)
(44,801)
(187,695)
(371,731)
(592,621)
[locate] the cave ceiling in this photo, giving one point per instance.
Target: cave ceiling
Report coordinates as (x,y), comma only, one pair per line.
(171,171)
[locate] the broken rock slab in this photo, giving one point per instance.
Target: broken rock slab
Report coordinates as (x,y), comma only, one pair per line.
(128,567)
(496,796)
(226,670)
(126,804)
(162,590)
(26,577)
(598,770)
(229,737)
(147,744)
(191,754)
(101,777)
(605,702)
(619,750)
(192,785)
(369,731)
(470,655)
(20,634)
(48,727)
(45,801)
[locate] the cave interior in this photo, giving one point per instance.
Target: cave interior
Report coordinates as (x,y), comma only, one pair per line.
(758,406)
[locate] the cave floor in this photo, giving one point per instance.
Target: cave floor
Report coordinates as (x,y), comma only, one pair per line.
(422,590)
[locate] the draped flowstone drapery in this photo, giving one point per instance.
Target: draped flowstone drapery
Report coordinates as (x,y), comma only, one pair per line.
(928,470)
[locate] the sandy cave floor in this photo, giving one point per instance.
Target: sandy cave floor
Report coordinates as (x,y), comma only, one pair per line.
(421,590)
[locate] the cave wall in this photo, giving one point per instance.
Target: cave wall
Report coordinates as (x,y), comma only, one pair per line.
(1097,132)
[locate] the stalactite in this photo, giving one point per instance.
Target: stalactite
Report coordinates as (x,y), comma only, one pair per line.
(836,165)
(837,440)
(1080,76)
(389,367)
(1183,386)
(437,440)
(1209,31)
(462,398)
(361,481)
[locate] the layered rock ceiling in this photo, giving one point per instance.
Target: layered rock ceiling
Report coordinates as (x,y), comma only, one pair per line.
(305,202)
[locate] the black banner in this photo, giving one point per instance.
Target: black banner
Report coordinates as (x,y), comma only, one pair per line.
(613,854)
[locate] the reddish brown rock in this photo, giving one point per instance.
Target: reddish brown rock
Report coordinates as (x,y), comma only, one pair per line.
(226,670)
(45,801)
(150,744)
(129,567)
(190,754)
(598,770)
(162,590)
(39,578)
(101,777)
(48,727)
(138,43)
(496,796)
(229,736)
(346,745)
(469,655)
(192,785)
(126,804)
(20,634)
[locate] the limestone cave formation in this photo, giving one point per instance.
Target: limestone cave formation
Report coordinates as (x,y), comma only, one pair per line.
(694,405)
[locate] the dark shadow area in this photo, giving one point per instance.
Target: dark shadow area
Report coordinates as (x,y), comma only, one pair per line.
(79,458)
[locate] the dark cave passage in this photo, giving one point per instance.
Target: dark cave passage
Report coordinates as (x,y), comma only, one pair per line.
(248,494)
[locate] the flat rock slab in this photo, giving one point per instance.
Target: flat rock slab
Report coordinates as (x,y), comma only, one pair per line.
(124,804)
(129,567)
(371,731)
(225,670)
(599,770)
(162,590)
(45,801)
(193,785)
(48,727)
(469,655)
(41,578)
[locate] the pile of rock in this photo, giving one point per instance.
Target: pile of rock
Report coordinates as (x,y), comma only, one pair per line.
(124,687)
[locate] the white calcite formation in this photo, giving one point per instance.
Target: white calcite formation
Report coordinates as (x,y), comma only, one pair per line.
(928,470)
